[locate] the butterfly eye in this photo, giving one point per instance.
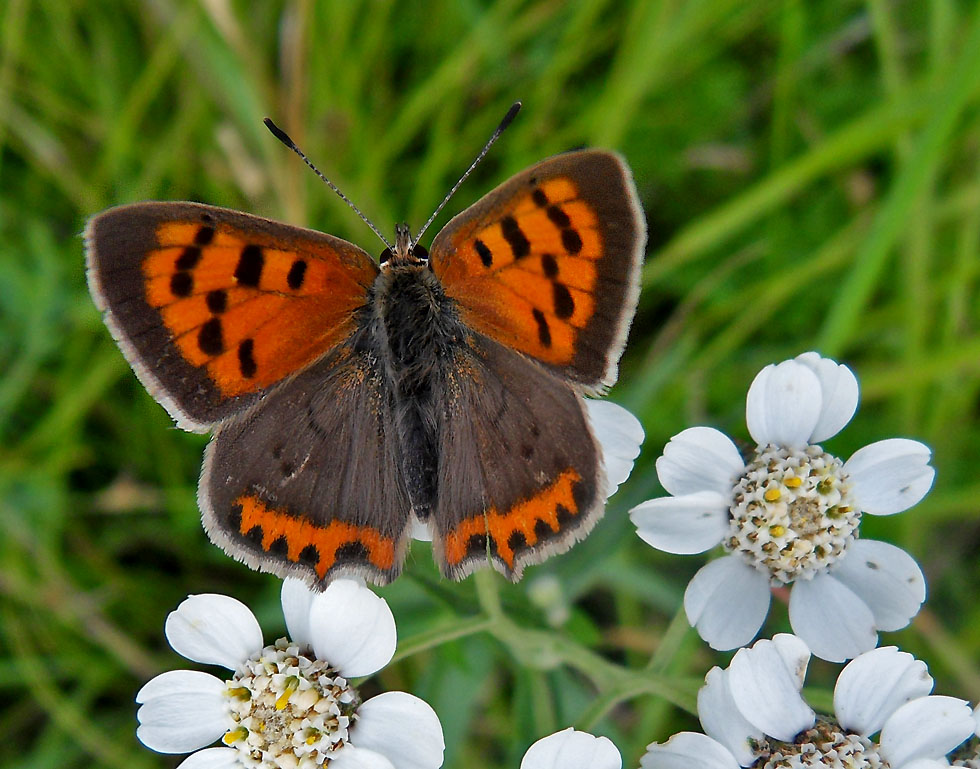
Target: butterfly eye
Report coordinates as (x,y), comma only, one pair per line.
(420,252)
(385,255)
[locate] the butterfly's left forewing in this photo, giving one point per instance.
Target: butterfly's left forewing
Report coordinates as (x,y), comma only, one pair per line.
(212,306)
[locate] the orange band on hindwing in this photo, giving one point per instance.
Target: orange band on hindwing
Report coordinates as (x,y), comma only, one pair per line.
(321,547)
(506,534)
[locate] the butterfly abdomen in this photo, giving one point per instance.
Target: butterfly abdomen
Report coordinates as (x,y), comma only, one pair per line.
(416,328)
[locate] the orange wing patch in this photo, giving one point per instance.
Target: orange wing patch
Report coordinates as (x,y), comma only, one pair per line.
(508,533)
(526,273)
(249,308)
(320,547)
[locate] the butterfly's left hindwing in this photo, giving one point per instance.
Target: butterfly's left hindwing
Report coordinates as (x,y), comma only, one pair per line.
(309,482)
(212,307)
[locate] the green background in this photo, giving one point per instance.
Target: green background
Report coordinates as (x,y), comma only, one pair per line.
(811,177)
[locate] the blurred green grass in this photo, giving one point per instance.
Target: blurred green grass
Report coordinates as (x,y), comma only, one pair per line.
(811,176)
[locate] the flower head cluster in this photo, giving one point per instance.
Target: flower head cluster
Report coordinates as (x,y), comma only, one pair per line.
(753,715)
(789,514)
(288,705)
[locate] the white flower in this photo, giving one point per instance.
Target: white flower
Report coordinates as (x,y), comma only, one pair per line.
(569,749)
(753,712)
(790,515)
(288,705)
(619,434)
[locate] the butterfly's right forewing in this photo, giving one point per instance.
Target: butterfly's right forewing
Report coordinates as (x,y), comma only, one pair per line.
(548,263)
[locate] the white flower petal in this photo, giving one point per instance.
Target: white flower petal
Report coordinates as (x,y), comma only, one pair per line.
(297,599)
(351,757)
(925,763)
(688,750)
(783,405)
(727,601)
(180,682)
(874,685)
(722,720)
(833,620)
(765,683)
(689,524)
(886,578)
(839,395)
(212,758)
(352,628)
(569,749)
(699,459)
(619,434)
(928,727)
(181,711)
(214,629)
(890,476)
(420,531)
(401,727)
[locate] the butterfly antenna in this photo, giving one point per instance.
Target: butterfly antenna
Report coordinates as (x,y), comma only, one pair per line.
(284,138)
(511,113)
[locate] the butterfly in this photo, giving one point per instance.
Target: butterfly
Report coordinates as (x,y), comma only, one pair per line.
(353,402)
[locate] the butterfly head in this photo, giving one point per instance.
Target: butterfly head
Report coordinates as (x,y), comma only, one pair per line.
(406,251)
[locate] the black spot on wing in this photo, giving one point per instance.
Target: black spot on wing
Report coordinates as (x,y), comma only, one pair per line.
(544,331)
(297,274)
(204,235)
(210,338)
(309,555)
(484,253)
(558,217)
(217,301)
(250,264)
(550,265)
(246,359)
(515,237)
(542,529)
(517,541)
(564,304)
(352,551)
(188,258)
(254,537)
(571,240)
(279,547)
(181,284)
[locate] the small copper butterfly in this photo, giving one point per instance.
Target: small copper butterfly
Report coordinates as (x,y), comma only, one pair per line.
(351,401)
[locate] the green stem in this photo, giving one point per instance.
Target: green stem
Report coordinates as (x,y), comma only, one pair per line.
(430,639)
